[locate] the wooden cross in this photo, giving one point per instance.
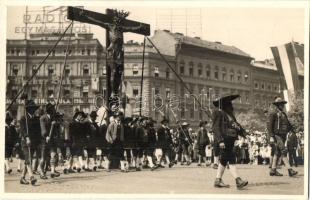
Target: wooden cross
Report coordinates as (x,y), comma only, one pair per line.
(116,24)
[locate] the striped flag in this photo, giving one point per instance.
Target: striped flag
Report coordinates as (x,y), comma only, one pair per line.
(289,59)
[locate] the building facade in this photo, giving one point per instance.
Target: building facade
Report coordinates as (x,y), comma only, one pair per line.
(207,69)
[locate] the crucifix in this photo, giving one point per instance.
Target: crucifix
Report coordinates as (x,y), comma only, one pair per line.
(116,24)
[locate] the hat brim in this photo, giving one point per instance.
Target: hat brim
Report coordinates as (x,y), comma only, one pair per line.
(279,102)
(225,99)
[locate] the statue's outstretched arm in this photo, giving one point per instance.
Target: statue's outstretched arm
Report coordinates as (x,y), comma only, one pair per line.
(95,21)
(128,29)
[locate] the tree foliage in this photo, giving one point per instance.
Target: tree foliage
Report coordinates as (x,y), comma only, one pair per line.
(252,120)
(296,112)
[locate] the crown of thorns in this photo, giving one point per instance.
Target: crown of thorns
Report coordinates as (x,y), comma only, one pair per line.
(120,14)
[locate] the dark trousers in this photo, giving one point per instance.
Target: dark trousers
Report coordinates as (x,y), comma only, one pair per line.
(292,157)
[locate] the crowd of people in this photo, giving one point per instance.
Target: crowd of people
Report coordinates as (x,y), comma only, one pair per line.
(44,143)
(48,143)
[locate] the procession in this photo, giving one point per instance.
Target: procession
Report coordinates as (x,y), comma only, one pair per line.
(46,146)
(76,109)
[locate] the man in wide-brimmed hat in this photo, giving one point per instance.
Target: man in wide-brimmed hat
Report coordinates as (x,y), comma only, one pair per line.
(226,131)
(164,143)
(278,127)
(47,121)
(202,141)
(30,132)
(185,141)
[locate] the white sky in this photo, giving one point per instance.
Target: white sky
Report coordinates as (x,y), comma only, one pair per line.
(253,30)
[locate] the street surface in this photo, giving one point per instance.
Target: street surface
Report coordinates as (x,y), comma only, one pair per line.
(177,180)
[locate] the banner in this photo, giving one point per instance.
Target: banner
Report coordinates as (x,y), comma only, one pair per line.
(287,60)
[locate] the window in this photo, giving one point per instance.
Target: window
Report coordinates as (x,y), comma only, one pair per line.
(17,52)
(191,69)
(14,93)
(50,70)
(256,85)
(33,52)
(12,52)
(88,52)
(246,77)
(85,94)
(76,94)
(167,92)
(167,73)
(135,92)
(239,76)
(67,72)
(85,70)
(53,53)
(208,72)
(200,114)
(232,75)
(192,114)
(135,70)
(224,74)
(67,92)
(83,52)
(38,52)
(34,93)
(182,67)
(34,68)
(15,70)
(263,86)
(182,113)
(247,98)
(275,87)
(156,72)
(50,92)
(156,91)
(216,72)
(269,87)
(200,70)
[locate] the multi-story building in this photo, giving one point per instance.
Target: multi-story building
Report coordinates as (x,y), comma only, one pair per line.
(81,73)
(207,69)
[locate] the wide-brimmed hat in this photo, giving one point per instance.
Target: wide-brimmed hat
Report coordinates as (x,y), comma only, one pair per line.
(93,114)
(127,120)
(8,116)
(201,123)
(279,101)
(79,113)
(31,106)
(165,120)
(225,99)
(185,124)
(50,107)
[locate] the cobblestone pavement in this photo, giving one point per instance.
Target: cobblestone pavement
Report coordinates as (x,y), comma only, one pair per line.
(177,180)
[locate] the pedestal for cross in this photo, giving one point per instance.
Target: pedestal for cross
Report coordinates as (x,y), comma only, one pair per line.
(116,24)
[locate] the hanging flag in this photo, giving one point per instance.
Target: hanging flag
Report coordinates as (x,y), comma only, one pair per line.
(95,83)
(285,58)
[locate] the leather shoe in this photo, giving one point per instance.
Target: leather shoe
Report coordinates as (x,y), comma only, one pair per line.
(220,184)
(23,181)
(240,183)
(292,173)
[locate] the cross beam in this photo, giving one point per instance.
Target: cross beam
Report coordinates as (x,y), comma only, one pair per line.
(116,24)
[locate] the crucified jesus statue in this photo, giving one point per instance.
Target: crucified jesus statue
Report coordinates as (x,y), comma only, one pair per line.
(115,50)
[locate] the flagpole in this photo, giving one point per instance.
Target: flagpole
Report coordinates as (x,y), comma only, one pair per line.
(142,76)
